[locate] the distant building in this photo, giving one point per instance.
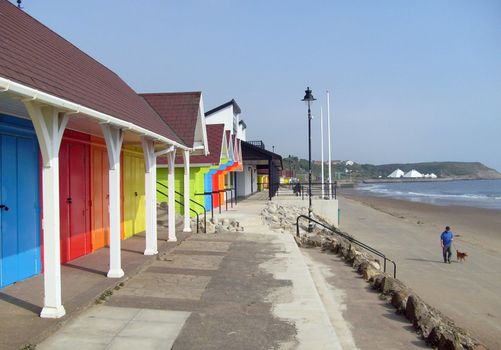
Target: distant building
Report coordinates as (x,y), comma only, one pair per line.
(349,162)
(396,174)
(414,174)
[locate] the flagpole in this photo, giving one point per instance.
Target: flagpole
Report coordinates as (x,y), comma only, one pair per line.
(322,143)
(329,138)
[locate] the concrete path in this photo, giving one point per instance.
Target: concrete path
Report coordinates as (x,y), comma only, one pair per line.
(361,318)
(468,292)
(105,327)
(249,290)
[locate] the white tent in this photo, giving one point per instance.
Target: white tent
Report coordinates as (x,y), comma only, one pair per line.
(396,174)
(433,176)
(413,174)
(426,176)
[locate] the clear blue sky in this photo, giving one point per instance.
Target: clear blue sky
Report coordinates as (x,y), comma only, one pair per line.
(410,80)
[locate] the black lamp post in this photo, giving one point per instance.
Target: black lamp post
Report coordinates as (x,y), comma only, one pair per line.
(308,98)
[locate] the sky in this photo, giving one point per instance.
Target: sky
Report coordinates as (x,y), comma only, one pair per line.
(410,81)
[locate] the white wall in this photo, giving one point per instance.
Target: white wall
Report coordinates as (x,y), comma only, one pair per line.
(244,181)
(327,210)
(224,116)
(241,133)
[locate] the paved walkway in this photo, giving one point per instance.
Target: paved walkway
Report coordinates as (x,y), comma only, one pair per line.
(248,290)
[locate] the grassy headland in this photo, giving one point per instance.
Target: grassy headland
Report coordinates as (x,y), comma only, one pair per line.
(356,171)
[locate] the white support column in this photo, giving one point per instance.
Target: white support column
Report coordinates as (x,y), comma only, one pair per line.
(187,222)
(49,126)
(171,157)
(150,166)
(114,138)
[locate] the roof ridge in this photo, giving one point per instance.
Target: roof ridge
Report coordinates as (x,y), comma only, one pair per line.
(169,93)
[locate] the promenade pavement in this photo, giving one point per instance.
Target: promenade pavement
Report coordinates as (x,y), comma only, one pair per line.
(248,290)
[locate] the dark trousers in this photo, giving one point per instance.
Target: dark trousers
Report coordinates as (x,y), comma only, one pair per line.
(447,253)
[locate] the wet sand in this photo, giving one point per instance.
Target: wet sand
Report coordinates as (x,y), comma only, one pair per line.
(409,233)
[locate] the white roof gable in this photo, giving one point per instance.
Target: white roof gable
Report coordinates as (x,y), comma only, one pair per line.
(396,173)
(413,174)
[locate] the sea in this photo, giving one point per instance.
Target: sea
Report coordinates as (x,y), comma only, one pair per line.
(471,193)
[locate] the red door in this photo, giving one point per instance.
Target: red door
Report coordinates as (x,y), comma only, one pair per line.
(74,179)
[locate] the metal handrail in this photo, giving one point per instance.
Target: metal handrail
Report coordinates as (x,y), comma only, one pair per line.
(218,192)
(231,189)
(178,202)
(219,197)
(211,202)
(315,189)
(192,201)
(351,239)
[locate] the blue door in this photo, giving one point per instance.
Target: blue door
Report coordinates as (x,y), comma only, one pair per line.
(19,206)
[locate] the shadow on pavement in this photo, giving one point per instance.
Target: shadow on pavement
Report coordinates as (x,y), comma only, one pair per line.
(86,269)
(21,303)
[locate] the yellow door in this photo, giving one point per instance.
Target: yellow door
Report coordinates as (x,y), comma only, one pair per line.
(134,195)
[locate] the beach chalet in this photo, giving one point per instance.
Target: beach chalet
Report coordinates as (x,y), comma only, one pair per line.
(203,168)
(79,152)
(224,176)
(396,174)
(184,112)
(414,174)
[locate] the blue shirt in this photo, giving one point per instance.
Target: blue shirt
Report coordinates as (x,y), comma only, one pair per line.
(446,238)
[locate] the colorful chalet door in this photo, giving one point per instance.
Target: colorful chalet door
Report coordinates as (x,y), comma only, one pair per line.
(20,208)
(134,210)
(74,186)
(100,224)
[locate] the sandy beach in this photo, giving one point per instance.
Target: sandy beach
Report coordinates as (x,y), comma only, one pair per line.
(409,233)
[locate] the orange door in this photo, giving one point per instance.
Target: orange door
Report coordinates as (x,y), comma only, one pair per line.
(100,197)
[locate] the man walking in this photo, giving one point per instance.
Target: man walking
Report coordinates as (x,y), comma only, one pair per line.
(446,242)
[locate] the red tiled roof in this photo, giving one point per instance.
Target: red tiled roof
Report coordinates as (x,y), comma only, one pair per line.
(33,55)
(179,110)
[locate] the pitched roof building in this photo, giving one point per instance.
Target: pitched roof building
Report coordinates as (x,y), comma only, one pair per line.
(183,112)
(36,57)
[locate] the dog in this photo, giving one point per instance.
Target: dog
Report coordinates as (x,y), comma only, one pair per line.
(461,256)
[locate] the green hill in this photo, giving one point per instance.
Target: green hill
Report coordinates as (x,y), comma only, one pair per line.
(464,170)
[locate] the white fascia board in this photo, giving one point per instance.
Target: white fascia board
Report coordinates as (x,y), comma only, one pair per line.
(201,119)
(224,146)
(34,94)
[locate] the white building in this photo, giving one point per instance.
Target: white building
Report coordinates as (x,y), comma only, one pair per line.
(396,174)
(414,174)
